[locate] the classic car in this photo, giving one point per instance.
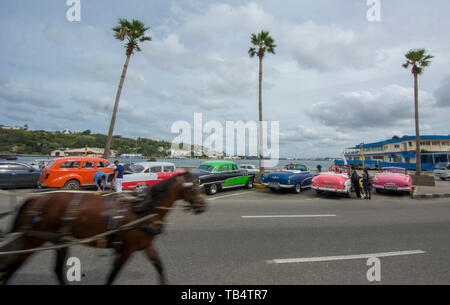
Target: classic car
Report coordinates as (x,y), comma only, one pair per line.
(442,171)
(72,172)
(250,168)
(148,173)
(217,175)
(294,177)
(333,182)
(393,179)
(15,175)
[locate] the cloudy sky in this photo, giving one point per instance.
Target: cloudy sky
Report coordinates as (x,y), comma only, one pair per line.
(335,81)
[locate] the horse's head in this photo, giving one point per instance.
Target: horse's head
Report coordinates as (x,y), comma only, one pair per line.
(192,192)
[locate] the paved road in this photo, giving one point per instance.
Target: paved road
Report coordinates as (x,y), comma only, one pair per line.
(232,244)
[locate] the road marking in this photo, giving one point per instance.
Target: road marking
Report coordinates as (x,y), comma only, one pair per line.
(241,193)
(289,216)
(343,257)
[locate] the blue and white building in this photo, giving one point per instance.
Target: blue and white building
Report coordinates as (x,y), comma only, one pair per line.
(401,152)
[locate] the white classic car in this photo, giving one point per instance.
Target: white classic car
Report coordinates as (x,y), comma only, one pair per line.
(250,168)
(147,173)
(442,171)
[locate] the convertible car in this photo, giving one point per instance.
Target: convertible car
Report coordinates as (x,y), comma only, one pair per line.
(217,175)
(393,179)
(294,177)
(442,171)
(333,182)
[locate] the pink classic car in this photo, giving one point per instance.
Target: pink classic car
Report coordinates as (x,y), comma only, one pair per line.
(393,179)
(336,182)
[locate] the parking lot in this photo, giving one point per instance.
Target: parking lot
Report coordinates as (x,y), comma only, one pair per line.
(258,237)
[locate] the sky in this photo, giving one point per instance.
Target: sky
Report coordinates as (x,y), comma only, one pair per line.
(335,81)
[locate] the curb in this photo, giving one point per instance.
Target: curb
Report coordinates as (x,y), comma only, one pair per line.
(431,196)
(414,194)
(259,186)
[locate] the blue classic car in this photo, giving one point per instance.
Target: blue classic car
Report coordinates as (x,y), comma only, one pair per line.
(294,177)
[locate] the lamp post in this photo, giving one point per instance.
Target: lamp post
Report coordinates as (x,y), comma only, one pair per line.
(362,154)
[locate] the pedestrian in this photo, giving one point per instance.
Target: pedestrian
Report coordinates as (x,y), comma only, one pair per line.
(319,168)
(355,182)
(367,185)
(118,176)
(100,181)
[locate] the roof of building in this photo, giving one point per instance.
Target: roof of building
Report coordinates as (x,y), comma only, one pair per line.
(390,141)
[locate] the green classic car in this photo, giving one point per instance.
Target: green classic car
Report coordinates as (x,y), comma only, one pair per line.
(217,175)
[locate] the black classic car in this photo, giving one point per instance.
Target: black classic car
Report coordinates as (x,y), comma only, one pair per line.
(217,175)
(16,175)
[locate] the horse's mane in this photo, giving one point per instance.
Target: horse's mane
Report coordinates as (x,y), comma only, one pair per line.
(159,191)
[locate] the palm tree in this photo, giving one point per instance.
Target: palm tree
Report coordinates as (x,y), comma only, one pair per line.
(134,33)
(262,43)
(418,59)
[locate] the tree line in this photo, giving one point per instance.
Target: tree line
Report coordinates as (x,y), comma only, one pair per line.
(41,142)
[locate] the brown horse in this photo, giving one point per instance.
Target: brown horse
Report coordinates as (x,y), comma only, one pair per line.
(91,214)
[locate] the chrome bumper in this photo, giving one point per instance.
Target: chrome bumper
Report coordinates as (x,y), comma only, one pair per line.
(382,187)
(282,186)
(327,189)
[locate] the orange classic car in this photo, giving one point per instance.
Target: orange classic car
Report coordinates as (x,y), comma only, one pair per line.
(73,172)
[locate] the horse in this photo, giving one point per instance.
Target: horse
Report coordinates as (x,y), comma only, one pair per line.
(82,215)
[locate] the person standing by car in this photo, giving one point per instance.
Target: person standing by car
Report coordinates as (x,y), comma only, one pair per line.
(319,168)
(118,176)
(100,181)
(367,185)
(355,182)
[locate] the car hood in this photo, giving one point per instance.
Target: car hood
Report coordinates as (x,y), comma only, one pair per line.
(393,178)
(331,179)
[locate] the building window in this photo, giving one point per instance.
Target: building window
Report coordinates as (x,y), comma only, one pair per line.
(436,143)
(397,146)
(410,144)
(445,143)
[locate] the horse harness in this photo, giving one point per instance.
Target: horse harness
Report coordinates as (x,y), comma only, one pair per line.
(117,208)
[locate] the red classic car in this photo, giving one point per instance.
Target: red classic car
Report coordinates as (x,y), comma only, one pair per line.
(393,179)
(337,181)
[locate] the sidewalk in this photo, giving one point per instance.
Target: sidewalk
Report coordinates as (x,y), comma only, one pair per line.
(441,190)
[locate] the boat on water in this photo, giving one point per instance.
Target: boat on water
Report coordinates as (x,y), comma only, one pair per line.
(8,158)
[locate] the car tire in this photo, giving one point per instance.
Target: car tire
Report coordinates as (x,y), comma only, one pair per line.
(212,189)
(249,183)
(443,179)
(272,189)
(72,185)
(319,192)
(297,189)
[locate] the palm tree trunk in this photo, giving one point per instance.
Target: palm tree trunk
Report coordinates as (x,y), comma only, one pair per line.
(107,151)
(416,109)
(261,153)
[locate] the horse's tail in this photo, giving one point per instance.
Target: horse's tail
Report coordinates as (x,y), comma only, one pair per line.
(16,222)
(12,241)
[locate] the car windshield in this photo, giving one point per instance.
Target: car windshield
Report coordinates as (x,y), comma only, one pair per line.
(137,168)
(297,167)
(206,168)
(441,165)
(394,170)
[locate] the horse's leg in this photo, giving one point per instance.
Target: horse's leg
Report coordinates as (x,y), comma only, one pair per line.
(154,258)
(11,269)
(121,259)
(61,255)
